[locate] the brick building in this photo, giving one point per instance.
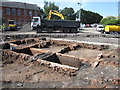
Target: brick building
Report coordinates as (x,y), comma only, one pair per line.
(18,11)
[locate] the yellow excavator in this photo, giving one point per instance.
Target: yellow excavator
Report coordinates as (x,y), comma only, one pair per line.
(55,13)
(12,25)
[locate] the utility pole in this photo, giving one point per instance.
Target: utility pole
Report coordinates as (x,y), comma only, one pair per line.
(80,3)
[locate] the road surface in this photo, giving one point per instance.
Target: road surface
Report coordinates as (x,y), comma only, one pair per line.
(86,35)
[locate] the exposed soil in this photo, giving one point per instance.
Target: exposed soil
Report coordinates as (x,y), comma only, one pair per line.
(48,63)
(87,54)
(16,72)
(54,48)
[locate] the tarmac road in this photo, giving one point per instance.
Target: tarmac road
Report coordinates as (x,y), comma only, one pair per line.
(26,29)
(84,30)
(86,34)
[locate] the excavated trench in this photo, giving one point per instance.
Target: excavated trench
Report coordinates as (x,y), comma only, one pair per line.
(62,56)
(58,61)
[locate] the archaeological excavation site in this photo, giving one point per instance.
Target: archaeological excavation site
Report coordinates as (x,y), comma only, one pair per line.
(59,44)
(54,63)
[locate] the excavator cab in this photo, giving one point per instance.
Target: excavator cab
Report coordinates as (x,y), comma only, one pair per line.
(55,13)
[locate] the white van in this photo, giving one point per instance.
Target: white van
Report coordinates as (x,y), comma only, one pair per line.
(100,28)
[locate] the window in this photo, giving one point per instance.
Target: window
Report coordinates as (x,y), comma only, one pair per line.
(25,12)
(11,22)
(8,11)
(19,12)
(1,15)
(35,13)
(3,21)
(13,11)
(3,11)
(35,19)
(30,13)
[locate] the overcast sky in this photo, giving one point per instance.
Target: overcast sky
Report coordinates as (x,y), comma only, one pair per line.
(103,7)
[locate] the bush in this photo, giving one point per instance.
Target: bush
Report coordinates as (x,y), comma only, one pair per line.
(113,21)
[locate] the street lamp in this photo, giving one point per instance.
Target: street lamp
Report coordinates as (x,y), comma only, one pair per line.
(80,10)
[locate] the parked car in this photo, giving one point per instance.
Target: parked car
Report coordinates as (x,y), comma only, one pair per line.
(88,25)
(100,28)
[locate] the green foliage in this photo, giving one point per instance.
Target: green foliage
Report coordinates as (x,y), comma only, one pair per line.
(110,17)
(69,13)
(119,21)
(43,15)
(88,17)
(50,6)
(110,20)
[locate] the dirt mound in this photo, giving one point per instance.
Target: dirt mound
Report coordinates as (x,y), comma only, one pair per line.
(26,28)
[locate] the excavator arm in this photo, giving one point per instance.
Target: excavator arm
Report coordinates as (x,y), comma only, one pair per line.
(55,13)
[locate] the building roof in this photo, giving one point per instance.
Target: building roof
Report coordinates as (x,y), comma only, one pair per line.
(3,0)
(5,3)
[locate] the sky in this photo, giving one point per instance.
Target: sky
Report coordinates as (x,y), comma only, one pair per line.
(102,7)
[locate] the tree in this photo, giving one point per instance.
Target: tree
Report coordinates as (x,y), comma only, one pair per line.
(68,13)
(110,20)
(50,6)
(43,15)
(110,17)
(88,17)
